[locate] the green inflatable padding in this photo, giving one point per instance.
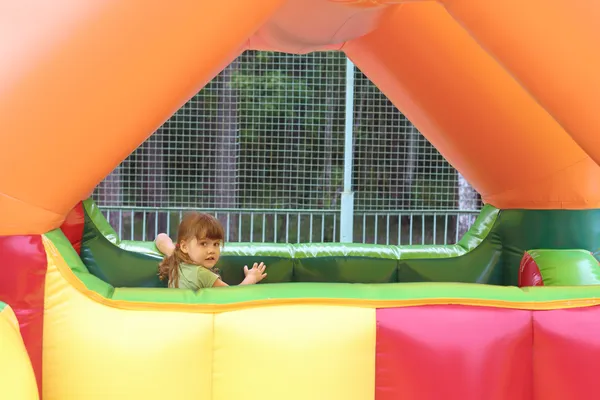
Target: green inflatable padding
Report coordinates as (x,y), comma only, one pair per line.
(134,264)
(489,253)
(451,293)
(573,267)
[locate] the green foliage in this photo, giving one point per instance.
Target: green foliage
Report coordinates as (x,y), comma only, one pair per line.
(286,114)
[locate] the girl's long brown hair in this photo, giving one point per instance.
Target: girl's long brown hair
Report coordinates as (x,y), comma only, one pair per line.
(193,225)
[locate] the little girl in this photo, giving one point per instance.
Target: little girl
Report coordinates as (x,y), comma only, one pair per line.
(190,262)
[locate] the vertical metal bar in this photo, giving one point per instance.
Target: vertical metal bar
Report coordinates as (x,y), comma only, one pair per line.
(364,239)
(287,227)
(298,228)
(228,222)
(264,226)
(168,224)
(456,228)
(334,226)
(423,228)
(399,229)
(347,209)
(216,214)
(323,227)
(387,230)
(410,233)
(180,217)
(376,227)
(132,223)
(310,228)
(346,219)
(434,227)
(275,229)
(251,227)
(445,228)
(121,224)
(143,225)
(240,227)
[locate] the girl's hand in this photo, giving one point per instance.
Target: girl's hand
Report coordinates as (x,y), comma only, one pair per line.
(256,274)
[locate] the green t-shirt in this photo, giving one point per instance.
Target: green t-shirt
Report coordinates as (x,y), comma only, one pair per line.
(195,277)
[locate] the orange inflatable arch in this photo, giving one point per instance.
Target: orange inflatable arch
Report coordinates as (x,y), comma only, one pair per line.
(510,103)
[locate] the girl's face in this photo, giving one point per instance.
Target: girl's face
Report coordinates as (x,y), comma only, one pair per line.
(205,252)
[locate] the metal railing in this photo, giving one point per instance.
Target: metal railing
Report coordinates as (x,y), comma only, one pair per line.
(306,226)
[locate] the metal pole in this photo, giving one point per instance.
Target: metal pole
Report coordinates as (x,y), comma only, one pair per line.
(347,211)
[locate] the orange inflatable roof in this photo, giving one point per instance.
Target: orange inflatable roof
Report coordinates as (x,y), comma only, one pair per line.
(506,90)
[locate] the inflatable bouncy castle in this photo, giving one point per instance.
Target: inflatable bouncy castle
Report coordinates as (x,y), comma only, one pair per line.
(506,90)
(16,374)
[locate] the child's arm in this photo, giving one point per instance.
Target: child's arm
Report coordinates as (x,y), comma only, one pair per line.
(164,244)
(254,275)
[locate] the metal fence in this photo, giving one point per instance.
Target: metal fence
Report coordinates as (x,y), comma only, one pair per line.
(293,226)
(291,148)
